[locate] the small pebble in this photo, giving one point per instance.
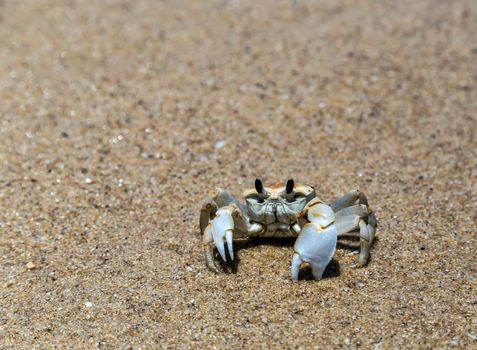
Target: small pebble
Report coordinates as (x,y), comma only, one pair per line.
(220,144)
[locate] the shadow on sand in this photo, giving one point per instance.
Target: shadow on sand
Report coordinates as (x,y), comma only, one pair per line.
(333,270)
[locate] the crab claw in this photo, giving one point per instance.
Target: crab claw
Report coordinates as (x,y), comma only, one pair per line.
(316,243)
(219,232)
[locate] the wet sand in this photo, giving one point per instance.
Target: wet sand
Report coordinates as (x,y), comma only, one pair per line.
(118,118)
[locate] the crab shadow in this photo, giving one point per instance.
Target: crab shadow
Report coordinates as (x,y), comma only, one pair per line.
(332,270)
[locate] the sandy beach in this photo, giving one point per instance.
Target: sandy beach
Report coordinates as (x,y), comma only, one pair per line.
(118,118)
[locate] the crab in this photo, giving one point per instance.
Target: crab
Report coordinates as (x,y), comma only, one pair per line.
(287,210)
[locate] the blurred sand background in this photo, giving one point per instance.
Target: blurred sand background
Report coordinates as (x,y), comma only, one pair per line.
(117,118)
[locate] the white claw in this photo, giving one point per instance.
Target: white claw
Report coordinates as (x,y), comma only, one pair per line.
(222,228)
(219,244)
(228,238)
(295,267)
(316,243)
(316,247)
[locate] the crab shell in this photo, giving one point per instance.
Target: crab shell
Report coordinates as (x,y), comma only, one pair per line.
(276,206)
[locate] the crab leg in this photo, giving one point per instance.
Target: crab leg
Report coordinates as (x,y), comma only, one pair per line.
(209,249)
(348,223)
(352,213)
(359,209)
(207,211)
(349,199)
(366,234)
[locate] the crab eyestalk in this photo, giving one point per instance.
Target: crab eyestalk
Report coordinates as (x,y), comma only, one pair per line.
(290,186)
(259,185)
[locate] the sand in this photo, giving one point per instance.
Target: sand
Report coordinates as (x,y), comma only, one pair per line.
(117,118)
